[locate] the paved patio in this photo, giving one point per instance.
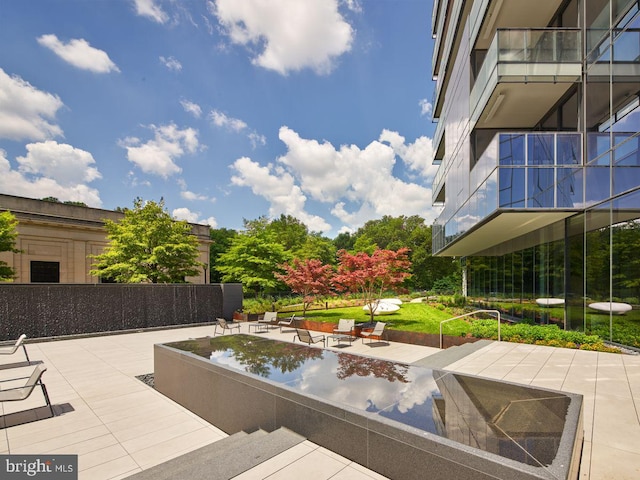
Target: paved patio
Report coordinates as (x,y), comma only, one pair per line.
(119,426)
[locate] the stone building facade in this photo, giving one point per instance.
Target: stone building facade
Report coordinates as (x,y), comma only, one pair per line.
(57,239)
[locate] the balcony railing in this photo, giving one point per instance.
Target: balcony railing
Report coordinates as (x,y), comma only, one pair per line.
(518,170)
(527,55)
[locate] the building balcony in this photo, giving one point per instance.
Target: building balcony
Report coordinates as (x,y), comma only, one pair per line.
(521,183)
(532,67)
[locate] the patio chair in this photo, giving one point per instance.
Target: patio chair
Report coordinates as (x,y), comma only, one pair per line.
(270,318)
(23,392)
(377,332)
(288,322)
(222,323)
(305,336)
(11,349)
(345,326)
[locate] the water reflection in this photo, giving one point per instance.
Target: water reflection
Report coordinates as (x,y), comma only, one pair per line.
(516,422)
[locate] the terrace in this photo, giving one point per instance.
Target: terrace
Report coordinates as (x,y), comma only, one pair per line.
(119,426)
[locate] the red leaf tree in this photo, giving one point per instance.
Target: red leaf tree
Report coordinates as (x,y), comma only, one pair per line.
(310,278)
(372,275)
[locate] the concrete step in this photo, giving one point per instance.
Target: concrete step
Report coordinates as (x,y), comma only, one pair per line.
(451,354)
(225,458)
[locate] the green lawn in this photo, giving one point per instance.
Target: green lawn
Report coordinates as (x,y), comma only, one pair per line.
(412,317)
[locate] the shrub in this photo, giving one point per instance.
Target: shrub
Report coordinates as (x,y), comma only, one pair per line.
(549,335)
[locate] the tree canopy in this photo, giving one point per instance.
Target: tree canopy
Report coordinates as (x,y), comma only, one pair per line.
(148,246)
(253,260)
(372,275)
(8,235)
(310,278)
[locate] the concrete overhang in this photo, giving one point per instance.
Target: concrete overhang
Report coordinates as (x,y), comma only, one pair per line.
(506,232)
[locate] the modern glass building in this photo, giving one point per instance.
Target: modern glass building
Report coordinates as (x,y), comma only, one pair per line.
(538,141)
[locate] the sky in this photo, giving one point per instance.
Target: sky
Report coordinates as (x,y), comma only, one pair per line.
(225,109)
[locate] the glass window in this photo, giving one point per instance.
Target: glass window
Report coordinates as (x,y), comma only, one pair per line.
(540,149)
(597,145)
(625,178)
(597,184)
(45,272)
(511,187)
(540,187)
(569,188)
(568,149)
(627,153)
(511,149)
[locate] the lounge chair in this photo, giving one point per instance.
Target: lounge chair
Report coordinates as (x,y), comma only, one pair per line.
(225,326)
(377,332)
(288,322)
(345,326)
(269,318)
(305,336)
(11,349)
(23,392)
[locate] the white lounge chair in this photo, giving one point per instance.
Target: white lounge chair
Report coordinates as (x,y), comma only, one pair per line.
(345,326)
(222,323)
(21,393)
(305,336)
(289,322)
(377,332)
(11,349)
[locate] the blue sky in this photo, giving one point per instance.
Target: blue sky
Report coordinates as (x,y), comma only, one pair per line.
(227,109)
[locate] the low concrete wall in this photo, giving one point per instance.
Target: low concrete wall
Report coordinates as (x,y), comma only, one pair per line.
(51,310)
(238,401)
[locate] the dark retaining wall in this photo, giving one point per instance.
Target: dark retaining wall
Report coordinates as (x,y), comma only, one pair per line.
(51,310)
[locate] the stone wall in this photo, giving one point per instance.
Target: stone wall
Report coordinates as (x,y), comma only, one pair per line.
(51,310)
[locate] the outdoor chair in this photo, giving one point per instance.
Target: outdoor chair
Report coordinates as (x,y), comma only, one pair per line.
(270,318)
(11,349)
(377,332)
(305,336)
(222,323)
(288,322)
(345,326)
(23,392)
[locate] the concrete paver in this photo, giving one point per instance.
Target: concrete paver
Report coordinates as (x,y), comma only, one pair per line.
(119,426)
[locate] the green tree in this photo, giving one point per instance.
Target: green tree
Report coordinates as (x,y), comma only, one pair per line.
(394,233)
(148,246)
(221,239)
(344,241)
(8,235)
(317,247)
(253,260)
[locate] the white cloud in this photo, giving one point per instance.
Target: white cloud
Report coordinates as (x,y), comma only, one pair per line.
(65,164)
(26,113)
(425,106)
(193,217)
(30,179)
(191,196)
(149,9)
(220,119)
(171,63)
(353,5)
(157,156)
(192,108)
(278,187)
(418,156)
(80,54)
(359,183)
(292,34)
(257,139)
